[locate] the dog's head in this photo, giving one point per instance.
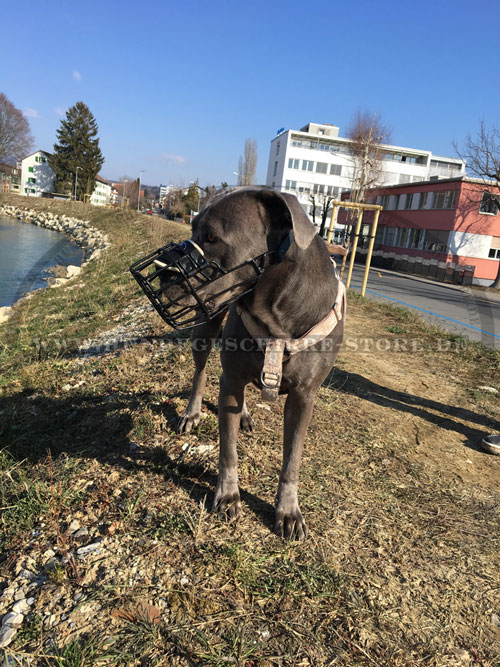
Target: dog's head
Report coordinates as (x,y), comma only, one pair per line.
(234,239)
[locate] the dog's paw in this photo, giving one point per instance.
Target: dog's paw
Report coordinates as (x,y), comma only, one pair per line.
(290,525)
(187,421)
(246,422)
(227,502)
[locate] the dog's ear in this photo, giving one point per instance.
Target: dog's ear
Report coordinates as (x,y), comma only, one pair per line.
(303,229)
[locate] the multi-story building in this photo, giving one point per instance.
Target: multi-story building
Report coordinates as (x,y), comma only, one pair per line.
(10,178)
(102,192)
(316,161)
(449,221)
(37,177)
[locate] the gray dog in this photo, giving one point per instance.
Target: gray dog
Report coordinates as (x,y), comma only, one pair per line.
(283,335)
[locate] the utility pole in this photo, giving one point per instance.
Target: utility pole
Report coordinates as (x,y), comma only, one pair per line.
(76,180)
(139,193)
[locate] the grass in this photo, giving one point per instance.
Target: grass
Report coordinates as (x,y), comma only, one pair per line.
(401,564)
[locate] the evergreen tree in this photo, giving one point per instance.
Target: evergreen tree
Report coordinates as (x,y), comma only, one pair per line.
(78,146)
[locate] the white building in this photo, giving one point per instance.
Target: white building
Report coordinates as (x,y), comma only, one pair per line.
(315,160)
(102,192)
(37,176)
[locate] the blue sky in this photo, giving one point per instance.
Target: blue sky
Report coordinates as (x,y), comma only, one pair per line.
(176,88)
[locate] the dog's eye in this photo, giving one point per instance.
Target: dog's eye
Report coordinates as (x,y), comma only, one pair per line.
(211,238)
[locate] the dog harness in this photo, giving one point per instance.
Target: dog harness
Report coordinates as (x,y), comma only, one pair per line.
(275,348)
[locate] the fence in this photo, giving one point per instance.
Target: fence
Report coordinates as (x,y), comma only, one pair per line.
(445,272)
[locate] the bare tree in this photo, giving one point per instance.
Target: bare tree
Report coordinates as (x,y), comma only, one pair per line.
(247,164)
(16,140)
(482,155)
(367,134)
(320,206)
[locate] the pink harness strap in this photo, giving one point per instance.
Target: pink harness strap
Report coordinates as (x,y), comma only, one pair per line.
(271,374)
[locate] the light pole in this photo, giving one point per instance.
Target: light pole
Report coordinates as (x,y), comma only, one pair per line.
(139,193)
(125,181)
(240,177)
(76,180)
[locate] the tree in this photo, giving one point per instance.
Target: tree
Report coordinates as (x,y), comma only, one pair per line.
(482,155)
(192,198)
(320,205)
(77,147)
(16,140)
(247,164)
(367,134)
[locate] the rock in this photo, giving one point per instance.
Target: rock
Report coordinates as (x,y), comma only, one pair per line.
(489,390)
(495,619)
(82,532)
(7,633)
(27,574)
(5,312)
(20,606)
(12,619)
(73,270)
(73,527)
(89,548)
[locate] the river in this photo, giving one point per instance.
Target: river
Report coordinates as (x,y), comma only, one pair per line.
(26,252)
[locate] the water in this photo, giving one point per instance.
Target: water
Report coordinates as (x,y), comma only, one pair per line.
(26,252)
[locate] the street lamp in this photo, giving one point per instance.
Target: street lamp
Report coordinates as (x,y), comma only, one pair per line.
(76,180)
(125,181)
(139,193)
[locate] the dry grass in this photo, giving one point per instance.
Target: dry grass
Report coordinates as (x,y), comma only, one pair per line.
(401,564)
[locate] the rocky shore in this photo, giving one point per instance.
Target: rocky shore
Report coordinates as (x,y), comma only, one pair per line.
(93,241)
(81,232)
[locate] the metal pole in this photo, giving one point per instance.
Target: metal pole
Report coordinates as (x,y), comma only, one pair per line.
(370,251)
(124,191)
(139,192)
(354,247)
(332,223)
(76,180)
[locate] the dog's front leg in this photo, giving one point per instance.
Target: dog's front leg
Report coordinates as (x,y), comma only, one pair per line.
(298,411)
(202,340)
(227,496)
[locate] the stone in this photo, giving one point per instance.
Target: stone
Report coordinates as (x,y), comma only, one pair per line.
(7,633)
(73,526)
(13,619)
(20,606)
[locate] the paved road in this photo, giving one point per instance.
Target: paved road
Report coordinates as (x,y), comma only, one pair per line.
(472,314)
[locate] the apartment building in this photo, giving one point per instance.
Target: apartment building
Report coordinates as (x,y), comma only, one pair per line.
(10,178)
(315,160)
(102,192)
(448,221)
(37,177)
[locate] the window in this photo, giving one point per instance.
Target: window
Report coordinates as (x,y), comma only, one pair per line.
(424,197)
(336,169)
(44,159)
(409,200)
(318,189)
(31,169)
(275,168)
(384,200)
(495,248)
(321,167)
(31,180)
(489,204)
(396,202)
(332,191)
(290,185)
(278,148)
(297,143)
(390,235)
(307,165)
(445,199)
(403,237)
(293,163)
(435,240)
(416,238)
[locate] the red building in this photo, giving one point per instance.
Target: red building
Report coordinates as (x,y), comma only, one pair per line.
(451,221)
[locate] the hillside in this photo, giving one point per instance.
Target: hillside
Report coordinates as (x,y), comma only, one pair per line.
(106,531)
